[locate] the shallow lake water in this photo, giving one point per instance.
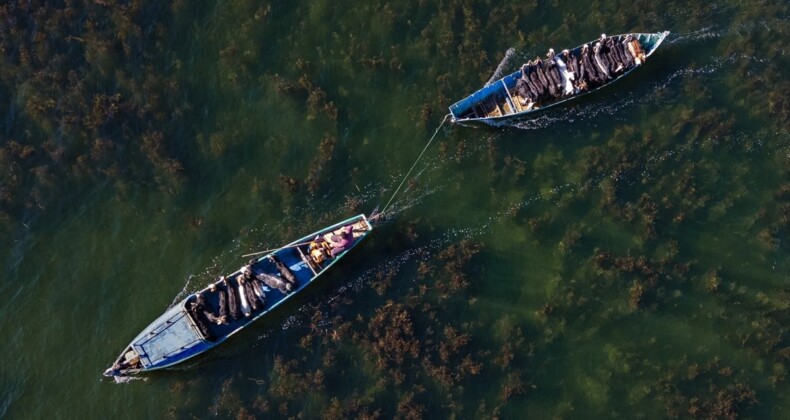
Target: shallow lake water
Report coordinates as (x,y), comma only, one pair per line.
(626,255)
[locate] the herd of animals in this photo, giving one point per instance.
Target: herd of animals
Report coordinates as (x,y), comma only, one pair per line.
(240,297)
(570,73)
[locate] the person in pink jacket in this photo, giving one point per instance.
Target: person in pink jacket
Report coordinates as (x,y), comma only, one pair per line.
(341,242)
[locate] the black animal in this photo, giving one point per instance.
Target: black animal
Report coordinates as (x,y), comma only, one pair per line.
(522,88)
(533,86)
(615,53)
(285,272)
(606,54)
(524,85)
(535,82)
(571,62)
(589,68)
(249,293)
(197,310)
(574,66)
(600,60)
(222,297)
(275,283)
(546,79)
(615,61)
(204,306)
(628,59)
(234,310)
(257,293)
(553,70)
(534,79)
(554,74)
(541,76)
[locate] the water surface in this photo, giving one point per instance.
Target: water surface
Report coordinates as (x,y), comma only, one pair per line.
(623,256)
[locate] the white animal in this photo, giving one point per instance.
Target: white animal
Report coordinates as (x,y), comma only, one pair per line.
(567,76)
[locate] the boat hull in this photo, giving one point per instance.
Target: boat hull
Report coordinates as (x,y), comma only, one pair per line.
(465,110)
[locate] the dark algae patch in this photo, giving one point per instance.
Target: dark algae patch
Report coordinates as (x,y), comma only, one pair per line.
(624,256)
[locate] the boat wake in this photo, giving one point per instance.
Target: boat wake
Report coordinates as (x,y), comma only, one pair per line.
(500,69)
(128,379)
(698,35)
(613,107)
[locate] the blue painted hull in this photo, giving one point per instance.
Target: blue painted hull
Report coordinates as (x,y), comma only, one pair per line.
(472,109)
(176,336)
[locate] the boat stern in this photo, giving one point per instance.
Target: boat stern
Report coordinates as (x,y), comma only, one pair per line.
(170,339)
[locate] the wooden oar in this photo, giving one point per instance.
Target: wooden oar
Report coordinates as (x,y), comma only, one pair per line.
(276,249)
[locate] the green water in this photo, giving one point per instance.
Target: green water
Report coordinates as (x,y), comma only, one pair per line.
(625,256)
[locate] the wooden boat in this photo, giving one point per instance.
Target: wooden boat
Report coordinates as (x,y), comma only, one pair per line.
(182,333)
(499,102)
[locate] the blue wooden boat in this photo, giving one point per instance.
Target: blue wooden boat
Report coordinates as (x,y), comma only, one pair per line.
(498,102)
(181,333)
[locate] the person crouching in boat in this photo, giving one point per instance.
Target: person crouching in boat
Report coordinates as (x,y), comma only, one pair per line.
(318,250)
(341,242)
(130,360)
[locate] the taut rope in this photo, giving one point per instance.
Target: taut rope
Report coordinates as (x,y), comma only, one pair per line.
(415,164)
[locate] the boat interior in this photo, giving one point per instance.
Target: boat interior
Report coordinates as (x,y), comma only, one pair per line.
(298,261)
(501,98)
